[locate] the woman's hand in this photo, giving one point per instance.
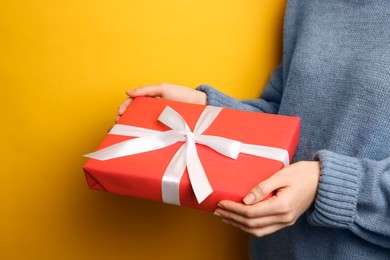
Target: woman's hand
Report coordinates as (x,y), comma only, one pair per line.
(294,188)
(165,91)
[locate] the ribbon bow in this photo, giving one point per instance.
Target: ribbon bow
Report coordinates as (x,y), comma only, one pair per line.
(186,156)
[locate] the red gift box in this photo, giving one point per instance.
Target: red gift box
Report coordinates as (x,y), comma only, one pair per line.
(141,174)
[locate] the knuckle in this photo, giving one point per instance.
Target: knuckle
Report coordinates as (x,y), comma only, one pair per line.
(249,212)
(291,223)
(258,233)
(250,223)
(261,190)
(163,86)
(289,219)
(284,207)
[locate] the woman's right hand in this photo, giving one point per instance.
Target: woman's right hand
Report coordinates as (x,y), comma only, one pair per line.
(164,91)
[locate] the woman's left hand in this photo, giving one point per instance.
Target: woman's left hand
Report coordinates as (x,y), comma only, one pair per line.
(294,188)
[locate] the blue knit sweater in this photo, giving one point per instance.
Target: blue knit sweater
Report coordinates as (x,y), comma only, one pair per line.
(335,75)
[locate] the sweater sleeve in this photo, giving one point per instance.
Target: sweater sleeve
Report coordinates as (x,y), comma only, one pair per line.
(354,194)
(268,102)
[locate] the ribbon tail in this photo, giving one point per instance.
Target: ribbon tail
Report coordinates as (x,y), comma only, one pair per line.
(267,152)
(171,179)
(198,178)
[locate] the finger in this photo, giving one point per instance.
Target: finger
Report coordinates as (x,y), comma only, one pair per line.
(261,209)
(265,188)
(258,232)
(123,106)
(249,222)
(149,91)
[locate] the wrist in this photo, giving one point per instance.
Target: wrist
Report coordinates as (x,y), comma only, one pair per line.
(200,98)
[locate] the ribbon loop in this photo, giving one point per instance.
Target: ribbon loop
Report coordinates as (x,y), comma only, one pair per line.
(173,120)
(206,119)
(138,145)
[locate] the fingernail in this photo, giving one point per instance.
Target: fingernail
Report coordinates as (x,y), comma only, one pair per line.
(219,205)
(249,198)
(216,213)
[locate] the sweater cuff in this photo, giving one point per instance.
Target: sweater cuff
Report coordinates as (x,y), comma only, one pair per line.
(215,97)
(336,200)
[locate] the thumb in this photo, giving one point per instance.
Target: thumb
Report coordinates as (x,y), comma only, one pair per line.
(264,189)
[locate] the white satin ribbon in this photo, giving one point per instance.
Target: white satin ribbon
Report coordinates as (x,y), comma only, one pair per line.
(186,156)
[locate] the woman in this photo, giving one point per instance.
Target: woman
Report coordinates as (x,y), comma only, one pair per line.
(333,202)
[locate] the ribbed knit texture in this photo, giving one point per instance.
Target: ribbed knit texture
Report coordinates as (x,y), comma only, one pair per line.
(337,195)
(335,75)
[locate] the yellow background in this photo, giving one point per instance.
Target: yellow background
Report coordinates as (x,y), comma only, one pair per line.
(64,67)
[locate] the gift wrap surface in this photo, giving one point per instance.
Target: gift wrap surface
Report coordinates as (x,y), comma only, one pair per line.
(140,175)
